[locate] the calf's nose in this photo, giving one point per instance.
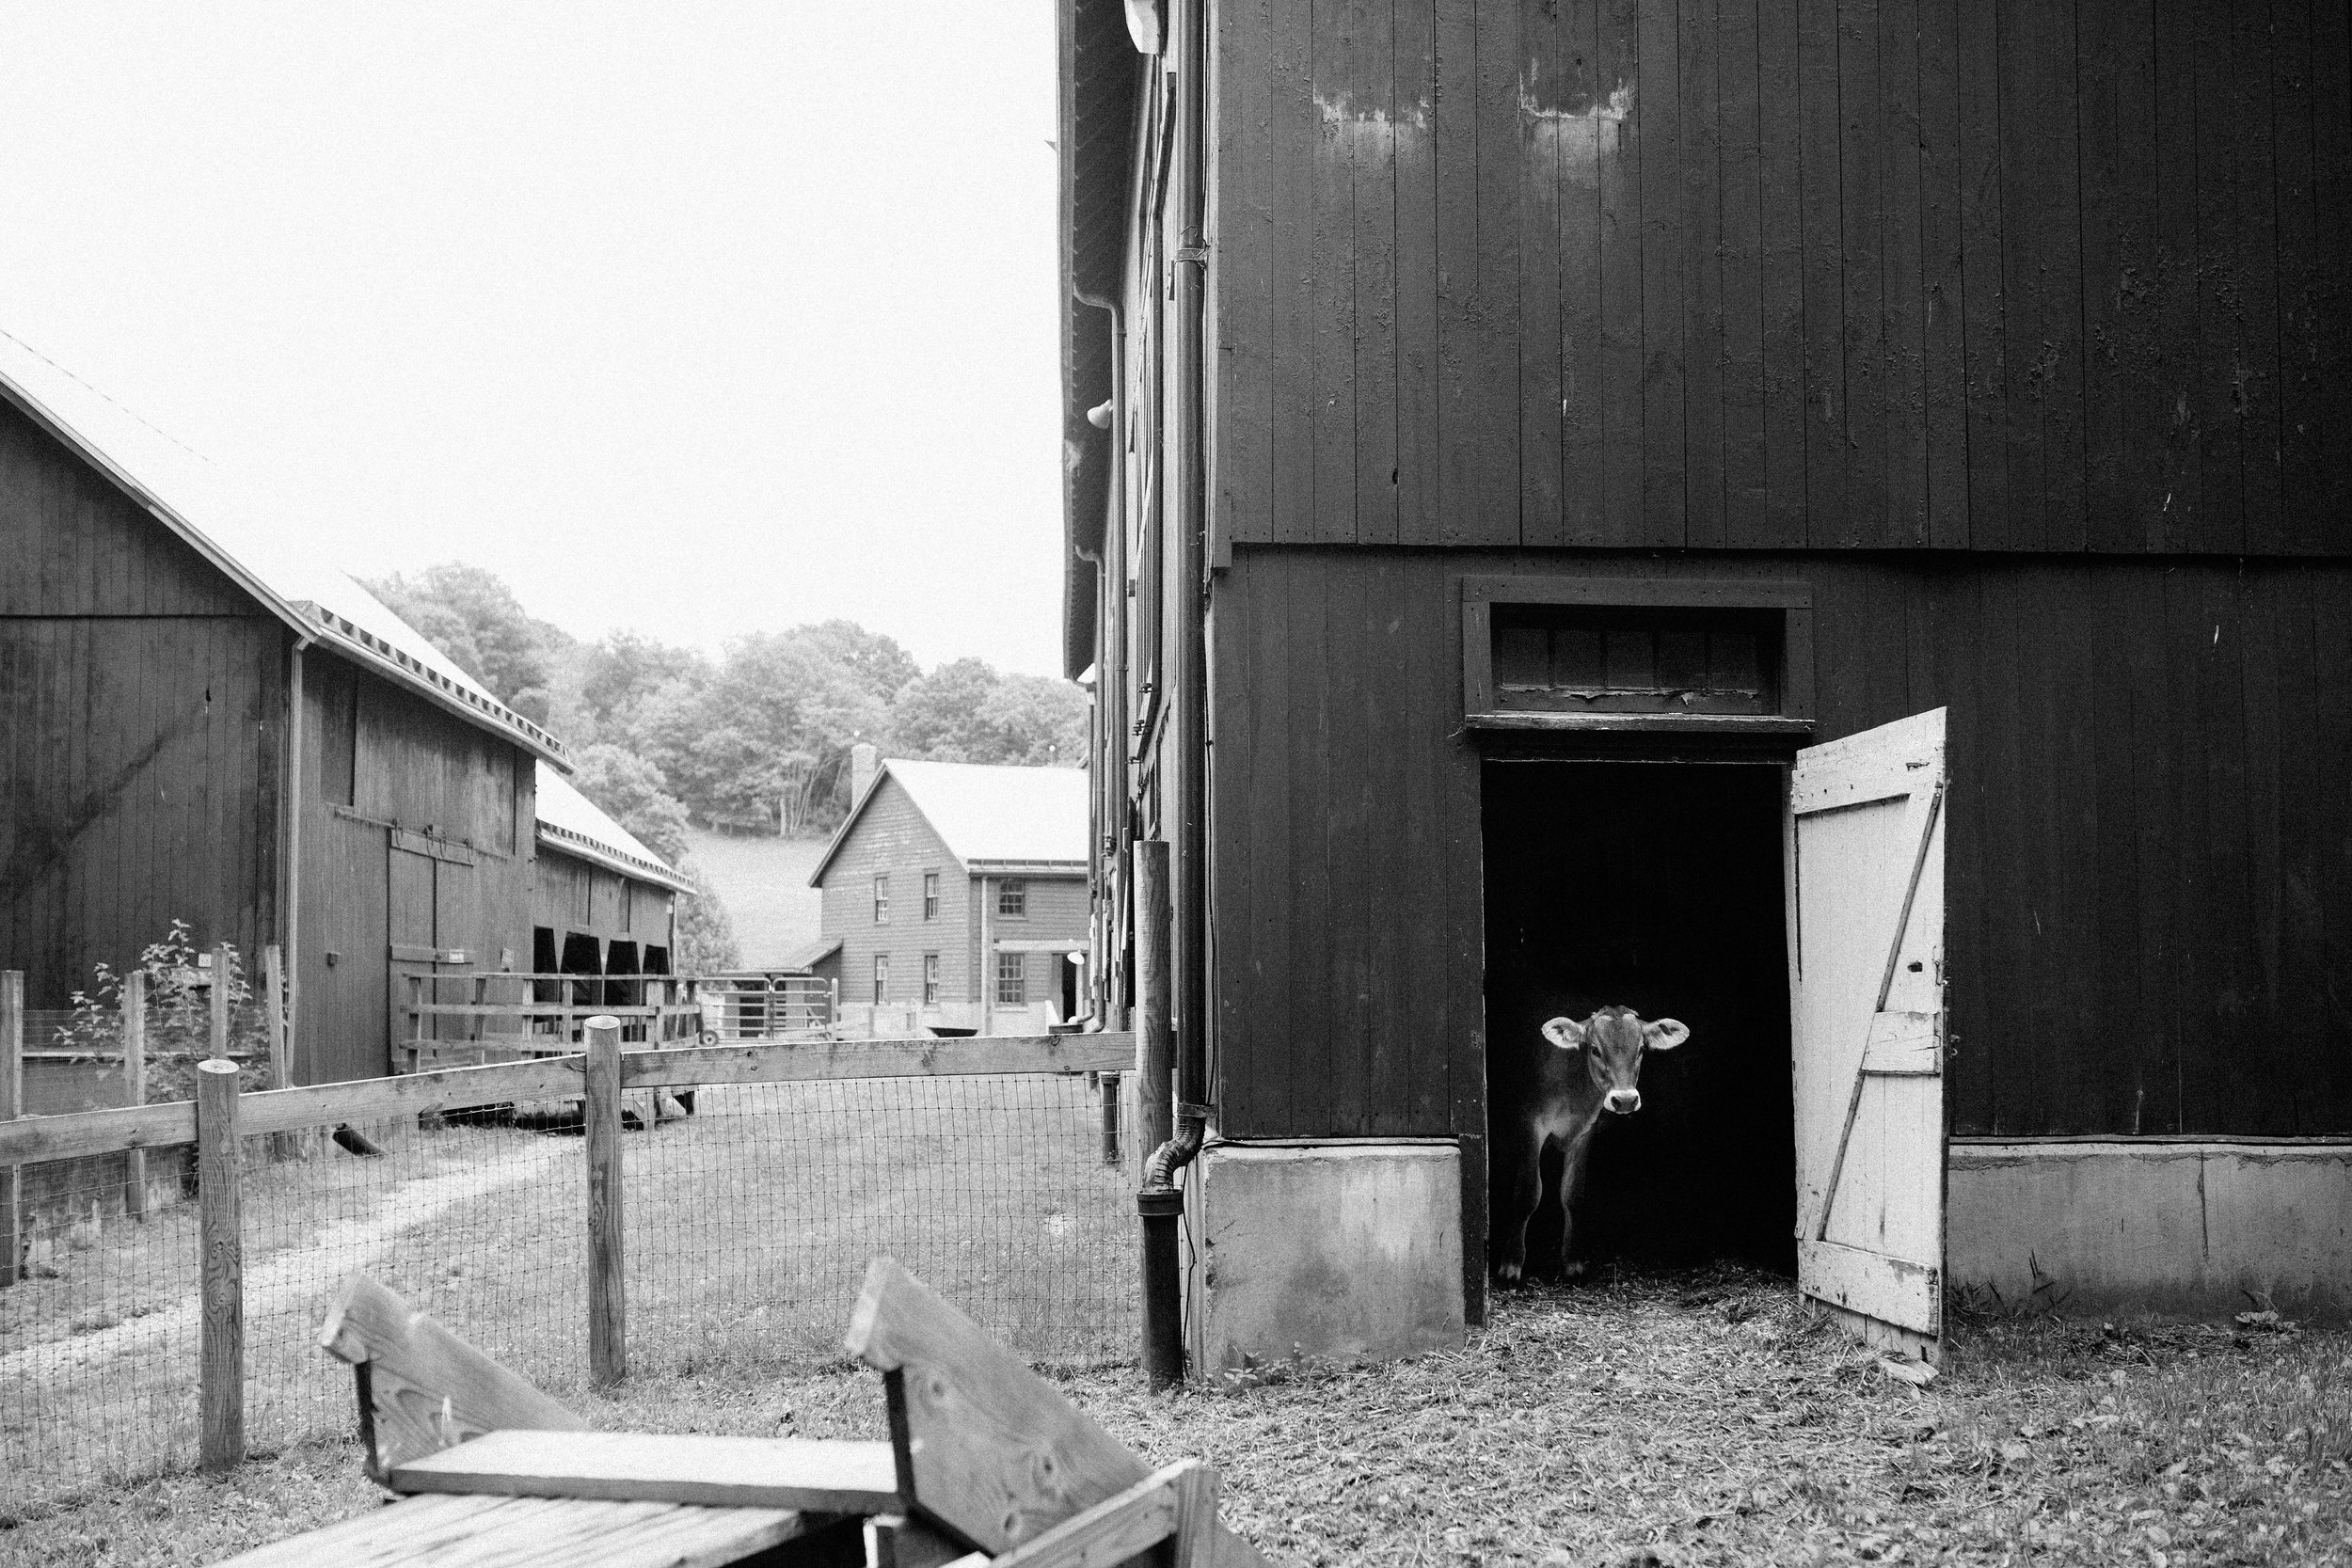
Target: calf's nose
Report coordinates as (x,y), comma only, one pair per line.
(1624,1101)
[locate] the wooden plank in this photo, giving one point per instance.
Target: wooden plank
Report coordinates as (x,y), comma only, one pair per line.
(894,1540)
(1983,309)
(1294,133)
(2254,262)
(823,1476)
(425,1388)
(1740,155)
(1780,275)
(1904,1044)
(1589,115)
(1864,407)
(1243,274)
(1658,142)
(608,1285)
(1490,490)
(1329,218)
(1111,1531)
(1617,164)
(2175,517)
(134,1086)
(984,1445)
(546,1532)
(1824,332)
(2302,285)
(1943,364)
(1417,379)
(1343,974)
(1459,368)
(1548,117)
(1899,404)
(1888,1288)
(221,1263)
(1368,33)
(2328,335)
(1698,249)
(2220,152)
(161,1126)
(1876,764)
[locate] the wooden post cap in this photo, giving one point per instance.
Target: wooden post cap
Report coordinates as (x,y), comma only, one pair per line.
(216,1065)
(604,1020)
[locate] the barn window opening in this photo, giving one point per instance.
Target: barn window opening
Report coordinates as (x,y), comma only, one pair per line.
(1589,659)
(1655,886)
(930,979)
(931,895)
(543,962)
(1012,980)
(620,959)
(882,978)
(582,955)
(1012,898)
(881,900)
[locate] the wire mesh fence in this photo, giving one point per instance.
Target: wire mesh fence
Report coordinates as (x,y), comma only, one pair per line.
(747,1225)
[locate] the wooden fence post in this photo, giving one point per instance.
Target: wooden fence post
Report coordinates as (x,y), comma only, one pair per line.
(11,1106)
(134,1086)
(608,1307)
(282,1146)
(220,1002)
(1108,1086)
(221,1254)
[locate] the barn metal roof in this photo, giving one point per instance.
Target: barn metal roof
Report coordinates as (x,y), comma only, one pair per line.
(258,545)
(574,824)
(1098,77)
(1033,821)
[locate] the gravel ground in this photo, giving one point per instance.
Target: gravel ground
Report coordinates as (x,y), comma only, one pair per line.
(1629,1422)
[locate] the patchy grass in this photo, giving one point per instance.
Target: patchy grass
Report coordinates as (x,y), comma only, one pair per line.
(1632,1422)
(746,1231)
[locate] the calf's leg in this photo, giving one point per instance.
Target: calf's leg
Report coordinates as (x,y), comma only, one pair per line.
(1521,1156)
(1579,1150)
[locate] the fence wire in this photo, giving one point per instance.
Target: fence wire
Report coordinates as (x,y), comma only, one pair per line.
(748,1225)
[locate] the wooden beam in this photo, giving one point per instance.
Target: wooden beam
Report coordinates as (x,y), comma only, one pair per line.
(632,1466)
(550,1532)
(1110,1532)
(427,1387)
(88,1132)
(956,1400)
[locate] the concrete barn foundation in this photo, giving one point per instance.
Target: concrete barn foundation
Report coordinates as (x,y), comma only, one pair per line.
(1343,1250)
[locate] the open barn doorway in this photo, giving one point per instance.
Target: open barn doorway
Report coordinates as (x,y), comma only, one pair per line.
(1657,886)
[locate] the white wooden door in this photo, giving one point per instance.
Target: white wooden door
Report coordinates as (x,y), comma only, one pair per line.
(1866,910)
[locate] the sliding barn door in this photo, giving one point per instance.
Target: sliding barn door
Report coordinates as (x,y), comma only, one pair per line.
(1865,898)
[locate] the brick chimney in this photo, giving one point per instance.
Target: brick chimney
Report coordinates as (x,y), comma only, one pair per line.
(865,762)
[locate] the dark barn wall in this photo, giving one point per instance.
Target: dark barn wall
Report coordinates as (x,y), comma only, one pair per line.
(2062,276)
(380,761)
(141,715)
(572,894)
(2149,873)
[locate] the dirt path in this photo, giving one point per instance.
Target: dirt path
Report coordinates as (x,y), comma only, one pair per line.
(291,1275)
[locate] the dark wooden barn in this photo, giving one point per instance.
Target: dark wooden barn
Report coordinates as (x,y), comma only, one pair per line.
(1482,414)
(202,724)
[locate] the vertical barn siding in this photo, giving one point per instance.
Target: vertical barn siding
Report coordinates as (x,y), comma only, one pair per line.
(408,766)
(2002,274)
(2151,873)
(138,758)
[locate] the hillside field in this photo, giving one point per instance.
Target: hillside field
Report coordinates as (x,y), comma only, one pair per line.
(764,882)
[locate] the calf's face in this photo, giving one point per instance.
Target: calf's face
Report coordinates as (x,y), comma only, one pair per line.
(1611,1042)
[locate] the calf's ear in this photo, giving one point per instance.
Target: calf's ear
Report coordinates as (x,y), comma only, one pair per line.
(1665,1034)
(1565,1033)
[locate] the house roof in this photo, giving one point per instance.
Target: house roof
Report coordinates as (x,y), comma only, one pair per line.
(1034,818)
(254,542)
(572,823)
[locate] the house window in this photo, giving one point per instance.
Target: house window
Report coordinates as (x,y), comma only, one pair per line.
(930,979)
(882,899)
(882,978)
(931,895)
(1012,979)
(1012,898)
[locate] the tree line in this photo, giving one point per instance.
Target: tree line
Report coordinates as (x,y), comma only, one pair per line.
(755,739)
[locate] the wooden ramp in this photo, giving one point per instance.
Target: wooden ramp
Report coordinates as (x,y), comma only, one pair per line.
(986,1464)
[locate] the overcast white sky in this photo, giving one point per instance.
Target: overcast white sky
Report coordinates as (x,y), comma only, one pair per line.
(697,318)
